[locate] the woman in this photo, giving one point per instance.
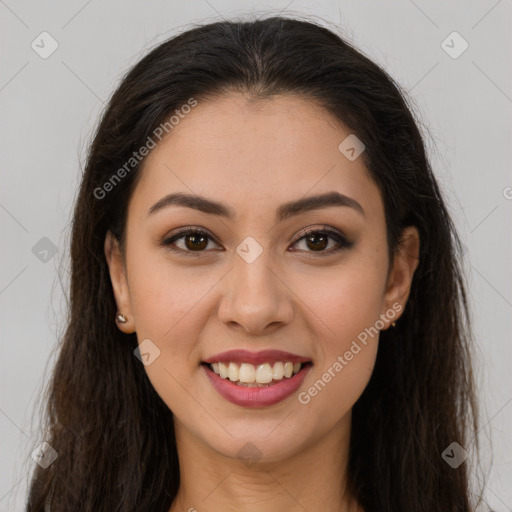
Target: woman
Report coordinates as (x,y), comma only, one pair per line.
(267,308)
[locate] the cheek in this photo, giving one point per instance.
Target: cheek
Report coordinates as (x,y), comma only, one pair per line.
(345,299)
(348,305)
(168,304)
(344,304)
(165,296)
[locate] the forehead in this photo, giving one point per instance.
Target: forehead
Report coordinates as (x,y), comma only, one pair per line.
(239,125)
(250,152)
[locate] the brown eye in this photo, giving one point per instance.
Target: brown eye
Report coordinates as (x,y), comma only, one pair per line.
(317,240)
(194,240)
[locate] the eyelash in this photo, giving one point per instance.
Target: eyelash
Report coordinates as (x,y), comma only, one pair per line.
(334,235)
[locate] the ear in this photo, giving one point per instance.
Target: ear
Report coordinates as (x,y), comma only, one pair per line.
(405,262)
(119,281)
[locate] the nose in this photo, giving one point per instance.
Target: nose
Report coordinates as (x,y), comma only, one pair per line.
(255,299)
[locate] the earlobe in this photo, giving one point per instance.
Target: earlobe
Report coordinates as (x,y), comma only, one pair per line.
(124,318)
(405,262)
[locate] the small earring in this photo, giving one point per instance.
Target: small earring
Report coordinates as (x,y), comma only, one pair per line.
(393,324)
(121,318)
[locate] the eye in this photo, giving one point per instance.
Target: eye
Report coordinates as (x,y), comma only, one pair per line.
(318,241)
(195,240)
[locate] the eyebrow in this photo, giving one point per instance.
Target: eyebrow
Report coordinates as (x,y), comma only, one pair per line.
(284,212)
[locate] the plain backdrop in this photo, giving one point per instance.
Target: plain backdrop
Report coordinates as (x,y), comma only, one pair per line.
(51,103)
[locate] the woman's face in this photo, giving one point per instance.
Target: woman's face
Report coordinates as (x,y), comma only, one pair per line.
(252,280)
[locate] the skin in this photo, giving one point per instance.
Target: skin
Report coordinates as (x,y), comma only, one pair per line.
(253,156)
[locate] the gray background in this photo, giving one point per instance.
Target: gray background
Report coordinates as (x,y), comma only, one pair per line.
(50,106)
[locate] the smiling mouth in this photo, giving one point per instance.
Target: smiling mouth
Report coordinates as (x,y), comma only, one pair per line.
(256,376)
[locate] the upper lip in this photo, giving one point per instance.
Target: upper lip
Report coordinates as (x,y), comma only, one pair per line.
(264,356)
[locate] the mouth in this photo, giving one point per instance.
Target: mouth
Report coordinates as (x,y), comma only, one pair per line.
(256,380)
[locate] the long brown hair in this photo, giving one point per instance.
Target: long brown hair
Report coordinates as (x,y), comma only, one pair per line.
(114,435)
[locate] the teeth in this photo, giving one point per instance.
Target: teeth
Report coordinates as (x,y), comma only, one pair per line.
(223,370)
(278,371)
(263,373)
(233,372)
(247,374)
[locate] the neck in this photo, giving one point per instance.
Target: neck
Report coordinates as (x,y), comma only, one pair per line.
(314,478)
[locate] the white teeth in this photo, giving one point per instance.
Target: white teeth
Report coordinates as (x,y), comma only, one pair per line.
(263,373)
(223,370)
(233,372)
(278,371)
(288,370)
(246,374)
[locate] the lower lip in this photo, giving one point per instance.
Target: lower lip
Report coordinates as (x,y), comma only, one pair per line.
(254,396)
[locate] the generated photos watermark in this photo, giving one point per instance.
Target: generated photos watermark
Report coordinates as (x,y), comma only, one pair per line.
(363,337)
(158,133)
